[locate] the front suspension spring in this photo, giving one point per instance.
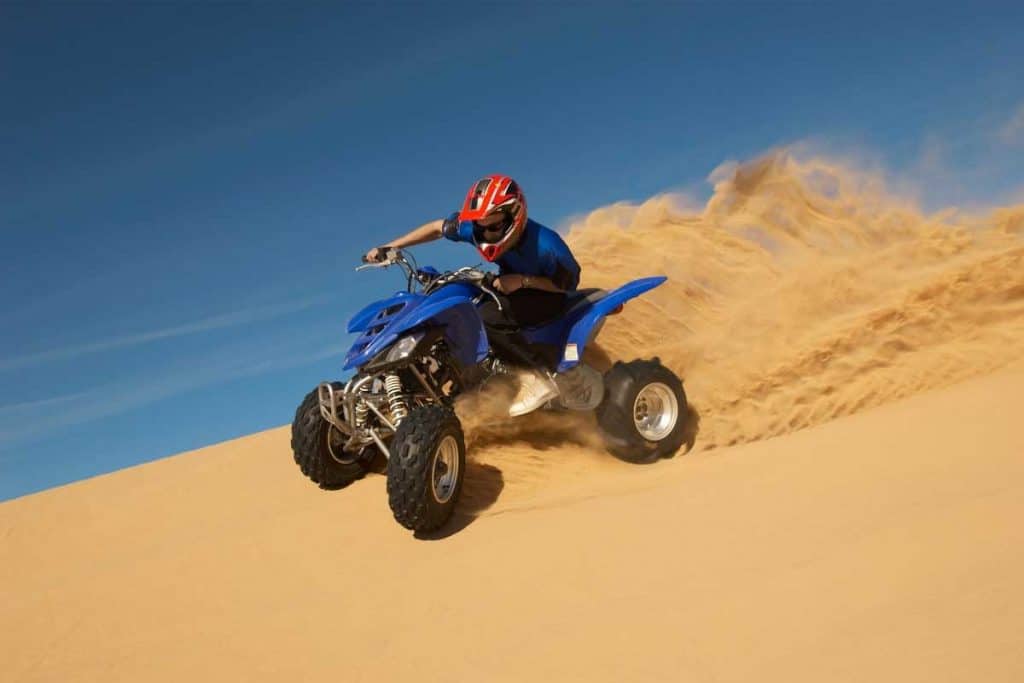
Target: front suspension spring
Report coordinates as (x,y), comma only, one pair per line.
(393,387)
(361,410)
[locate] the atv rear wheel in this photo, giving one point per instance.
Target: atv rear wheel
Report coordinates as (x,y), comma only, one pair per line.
(643,412)
(316,446)
(426,468)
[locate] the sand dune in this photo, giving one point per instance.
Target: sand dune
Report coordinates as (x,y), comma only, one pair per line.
(876,537)
(882,546)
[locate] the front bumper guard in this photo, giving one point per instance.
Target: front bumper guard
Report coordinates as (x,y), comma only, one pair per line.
(338,408)
(331,399)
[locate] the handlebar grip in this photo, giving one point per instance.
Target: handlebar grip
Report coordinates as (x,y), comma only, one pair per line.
(383,254)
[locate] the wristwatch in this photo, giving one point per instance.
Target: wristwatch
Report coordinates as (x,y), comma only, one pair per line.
(526,282)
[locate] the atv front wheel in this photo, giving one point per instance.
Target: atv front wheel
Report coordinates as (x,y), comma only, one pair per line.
(316,446)
(643,412)
(426,468)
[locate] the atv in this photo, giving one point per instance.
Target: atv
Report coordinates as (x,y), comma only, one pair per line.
(418,350)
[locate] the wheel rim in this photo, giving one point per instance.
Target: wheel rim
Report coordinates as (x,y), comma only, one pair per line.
(444,472)
(655,411)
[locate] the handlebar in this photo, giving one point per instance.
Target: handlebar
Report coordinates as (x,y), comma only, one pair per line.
(391,254)
(481,279)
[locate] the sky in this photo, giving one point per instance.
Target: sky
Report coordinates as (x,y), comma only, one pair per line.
(185,188)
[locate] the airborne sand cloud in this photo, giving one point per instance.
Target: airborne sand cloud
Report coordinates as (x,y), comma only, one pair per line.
(803,290)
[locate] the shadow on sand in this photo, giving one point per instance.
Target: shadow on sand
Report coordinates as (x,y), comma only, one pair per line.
(480,489)
(484,482)
(691,428)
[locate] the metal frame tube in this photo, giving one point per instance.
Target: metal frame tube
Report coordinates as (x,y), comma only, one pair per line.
(423,381)
(376,411)
(380,444)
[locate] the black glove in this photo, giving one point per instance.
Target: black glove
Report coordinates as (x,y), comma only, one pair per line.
(376,255)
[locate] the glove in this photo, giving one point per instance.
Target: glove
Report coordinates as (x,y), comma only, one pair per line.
(376,255)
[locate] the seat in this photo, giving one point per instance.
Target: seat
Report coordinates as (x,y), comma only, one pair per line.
(575,302)
(581,298)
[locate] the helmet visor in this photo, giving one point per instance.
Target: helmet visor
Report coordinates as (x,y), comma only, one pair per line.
(493,228)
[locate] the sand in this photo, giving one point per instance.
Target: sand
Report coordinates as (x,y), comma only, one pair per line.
(882,546)
(850,509)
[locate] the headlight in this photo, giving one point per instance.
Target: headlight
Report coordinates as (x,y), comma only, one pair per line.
(403,347)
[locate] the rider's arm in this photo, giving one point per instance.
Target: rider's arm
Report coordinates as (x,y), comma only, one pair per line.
(511,282)
(560,268)
(428,232)
(561,272)
(540,282)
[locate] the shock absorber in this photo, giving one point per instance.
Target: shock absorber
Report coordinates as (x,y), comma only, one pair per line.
(361,410)
(393,387)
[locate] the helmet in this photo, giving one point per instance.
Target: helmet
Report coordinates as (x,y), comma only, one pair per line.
(491,195)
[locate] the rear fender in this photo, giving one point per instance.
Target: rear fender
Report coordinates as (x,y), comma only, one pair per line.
(592,319)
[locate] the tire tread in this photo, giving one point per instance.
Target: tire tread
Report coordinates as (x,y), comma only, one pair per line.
(615,414)
(310,451)
(412,451)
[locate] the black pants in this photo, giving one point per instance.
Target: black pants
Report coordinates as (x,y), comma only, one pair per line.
(522,308)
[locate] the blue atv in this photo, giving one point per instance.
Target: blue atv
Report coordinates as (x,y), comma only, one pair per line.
(418,350)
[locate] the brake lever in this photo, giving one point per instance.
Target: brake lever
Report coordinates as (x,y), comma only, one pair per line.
(390,258)
(485,285)
(496,300)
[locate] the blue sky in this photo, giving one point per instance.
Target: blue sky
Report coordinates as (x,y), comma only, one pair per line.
(185,188)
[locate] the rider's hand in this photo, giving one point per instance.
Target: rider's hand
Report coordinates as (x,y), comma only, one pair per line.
(506,284)
(375,255)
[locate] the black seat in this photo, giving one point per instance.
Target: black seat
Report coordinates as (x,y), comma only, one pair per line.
(574,301)
(580,299)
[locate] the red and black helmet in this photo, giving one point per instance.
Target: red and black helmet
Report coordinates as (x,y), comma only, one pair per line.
(488,196)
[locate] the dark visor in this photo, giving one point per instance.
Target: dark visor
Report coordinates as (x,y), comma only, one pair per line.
(493,233)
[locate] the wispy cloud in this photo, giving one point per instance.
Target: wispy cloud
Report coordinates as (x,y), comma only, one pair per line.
(28,407)
(216,322)
(1012,131)
(24,421)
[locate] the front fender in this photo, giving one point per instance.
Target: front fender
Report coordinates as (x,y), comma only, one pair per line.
(361,320)
(452,307)
(588,324)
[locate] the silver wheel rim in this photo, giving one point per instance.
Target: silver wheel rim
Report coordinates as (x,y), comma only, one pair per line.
(444,472)
(655,411)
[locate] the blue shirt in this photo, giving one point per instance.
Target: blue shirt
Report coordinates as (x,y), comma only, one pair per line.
(540,251)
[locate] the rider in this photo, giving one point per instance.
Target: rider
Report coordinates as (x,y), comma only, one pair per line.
(536,269)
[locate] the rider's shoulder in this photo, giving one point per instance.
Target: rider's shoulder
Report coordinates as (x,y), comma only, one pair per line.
(546,237)
(542,231)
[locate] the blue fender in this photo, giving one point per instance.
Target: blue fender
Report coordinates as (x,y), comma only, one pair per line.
(361,320)
(451,307)
(582,330)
